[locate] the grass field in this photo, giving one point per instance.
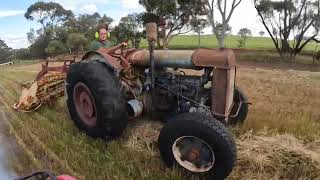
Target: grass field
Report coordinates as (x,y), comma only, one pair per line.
(210,41)
(279,140)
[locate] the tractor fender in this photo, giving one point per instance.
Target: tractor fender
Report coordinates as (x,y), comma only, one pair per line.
(104,58)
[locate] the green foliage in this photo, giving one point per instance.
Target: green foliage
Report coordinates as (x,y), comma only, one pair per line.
(55,47)
(76,42)
(128,29)
(31,36)
(5,52)
(47,14)
(199,24)
(175,15)
(261,33)
(61,25)
(244,33)
(37,49)
(219,29)
(86,24)
(23,54)
(241,43)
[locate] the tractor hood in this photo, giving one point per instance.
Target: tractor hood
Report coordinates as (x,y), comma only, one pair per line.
(220,58)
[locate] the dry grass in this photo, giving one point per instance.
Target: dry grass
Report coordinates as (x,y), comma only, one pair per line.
(283,101)
(276,157)
(279,140)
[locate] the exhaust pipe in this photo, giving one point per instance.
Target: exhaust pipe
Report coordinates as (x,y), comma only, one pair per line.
(135,108)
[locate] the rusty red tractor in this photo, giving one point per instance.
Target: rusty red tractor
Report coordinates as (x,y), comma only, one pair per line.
(194,92)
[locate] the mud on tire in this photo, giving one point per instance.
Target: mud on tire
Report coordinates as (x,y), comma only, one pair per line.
(214,135)
(102,90)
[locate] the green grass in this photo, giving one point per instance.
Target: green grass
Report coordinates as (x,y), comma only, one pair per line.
(210,41)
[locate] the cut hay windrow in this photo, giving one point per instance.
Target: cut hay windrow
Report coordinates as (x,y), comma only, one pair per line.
(277,157)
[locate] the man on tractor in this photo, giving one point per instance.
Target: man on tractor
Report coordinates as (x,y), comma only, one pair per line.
(102,36)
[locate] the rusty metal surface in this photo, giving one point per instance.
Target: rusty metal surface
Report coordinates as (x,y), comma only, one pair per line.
(220,58)
(85,104)
(113,61)
(115,56)
(222,91)
(151,31)
(45,69)
(48,87)
(163,58)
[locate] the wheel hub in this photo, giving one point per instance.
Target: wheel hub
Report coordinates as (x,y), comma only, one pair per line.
(193,153)
(85,105)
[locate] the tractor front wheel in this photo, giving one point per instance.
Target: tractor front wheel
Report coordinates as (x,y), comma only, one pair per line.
(199,144)
(240,108)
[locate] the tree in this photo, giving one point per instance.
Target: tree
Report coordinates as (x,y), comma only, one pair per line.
(86,24)
(76,42)
(61,34)
(261,33)
(119,34)
(55,47)
(173,16)
(129,28)
(289,18)
(198,25)
(5,52)
(31,36)
(47,14)
(219,30)
(225,10)
(23,54)
(244,33)
(105,20)
(37,49)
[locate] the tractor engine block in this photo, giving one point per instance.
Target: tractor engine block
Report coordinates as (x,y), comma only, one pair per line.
(181,93)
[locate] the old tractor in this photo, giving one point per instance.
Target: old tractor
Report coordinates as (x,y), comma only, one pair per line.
(193,92)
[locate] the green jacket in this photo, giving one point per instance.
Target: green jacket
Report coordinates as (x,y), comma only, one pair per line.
(95,45)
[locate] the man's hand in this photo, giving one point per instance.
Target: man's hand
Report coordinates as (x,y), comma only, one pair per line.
(124,44)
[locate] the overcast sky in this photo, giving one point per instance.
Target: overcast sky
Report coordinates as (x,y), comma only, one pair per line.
(14,26)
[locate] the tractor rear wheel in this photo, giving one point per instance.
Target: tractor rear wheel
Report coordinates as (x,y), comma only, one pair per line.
(199,144)
(94,100)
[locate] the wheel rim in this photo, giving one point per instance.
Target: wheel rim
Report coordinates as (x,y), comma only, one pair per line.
(193,154)
(85,104)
